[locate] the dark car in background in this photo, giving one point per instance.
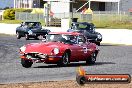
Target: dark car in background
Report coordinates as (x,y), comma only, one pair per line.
(88,29)
(31,29)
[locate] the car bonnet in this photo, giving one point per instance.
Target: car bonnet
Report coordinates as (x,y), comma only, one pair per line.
(45,48)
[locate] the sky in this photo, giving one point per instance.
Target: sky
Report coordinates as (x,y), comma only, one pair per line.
(6,3)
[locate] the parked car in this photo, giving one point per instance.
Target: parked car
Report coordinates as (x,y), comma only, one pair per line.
(88,29)
(60,48)
(31,29)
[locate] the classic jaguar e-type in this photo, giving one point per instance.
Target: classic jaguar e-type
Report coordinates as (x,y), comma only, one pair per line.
(59,48)
(31,29)
(88,29)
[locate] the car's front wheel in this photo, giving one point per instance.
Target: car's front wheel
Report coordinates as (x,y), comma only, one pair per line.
(92,58)
(65,60)
(26,63)
(18,35)
(26,36)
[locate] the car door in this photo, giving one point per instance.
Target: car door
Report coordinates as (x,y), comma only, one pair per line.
(82,42)
(76,52)
(24,30)
(79,50)
(76,49)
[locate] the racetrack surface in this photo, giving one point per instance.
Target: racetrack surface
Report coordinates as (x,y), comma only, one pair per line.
(112,59)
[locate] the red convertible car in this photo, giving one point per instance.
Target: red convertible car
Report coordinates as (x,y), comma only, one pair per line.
(60,48)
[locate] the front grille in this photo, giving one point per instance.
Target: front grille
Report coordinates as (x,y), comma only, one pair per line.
(36,55)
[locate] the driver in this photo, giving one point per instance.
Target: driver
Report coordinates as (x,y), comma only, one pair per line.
(73,39)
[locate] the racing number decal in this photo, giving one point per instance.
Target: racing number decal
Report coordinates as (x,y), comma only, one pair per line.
(85,50)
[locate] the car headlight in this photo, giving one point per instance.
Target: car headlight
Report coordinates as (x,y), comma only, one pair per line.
(30,32)
(48,31)
(23,48)
(99,36)
(56,50)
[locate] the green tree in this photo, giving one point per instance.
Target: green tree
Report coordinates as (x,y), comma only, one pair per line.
(9,14)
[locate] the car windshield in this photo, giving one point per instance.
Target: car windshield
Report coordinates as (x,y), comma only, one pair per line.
(32,24)
(82,26)
(70,39)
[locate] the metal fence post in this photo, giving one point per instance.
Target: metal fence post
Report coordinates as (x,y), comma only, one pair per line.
(99,17)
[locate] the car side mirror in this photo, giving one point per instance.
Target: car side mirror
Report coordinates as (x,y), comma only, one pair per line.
(94,28)
(21,25)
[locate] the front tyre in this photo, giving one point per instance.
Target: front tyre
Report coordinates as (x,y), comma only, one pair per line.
(65,60)
(26,63)
(18,35)
(98,43)
(92,58)
(26,36)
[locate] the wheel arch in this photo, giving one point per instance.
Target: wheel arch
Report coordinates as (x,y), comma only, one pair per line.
(68,51)
(17,31)
(96,51)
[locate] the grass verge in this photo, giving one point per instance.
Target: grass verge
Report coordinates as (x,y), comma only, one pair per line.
(106,24)
(11,21)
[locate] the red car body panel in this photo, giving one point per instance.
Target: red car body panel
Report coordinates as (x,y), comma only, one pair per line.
(79,52)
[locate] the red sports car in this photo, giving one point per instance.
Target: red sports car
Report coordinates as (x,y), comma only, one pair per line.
(60,48)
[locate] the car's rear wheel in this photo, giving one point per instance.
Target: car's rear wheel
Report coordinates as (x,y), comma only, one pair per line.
(26,36)
(92,58)
(18,35)
(65,60)
(26,63)
(98,43)
(36,37)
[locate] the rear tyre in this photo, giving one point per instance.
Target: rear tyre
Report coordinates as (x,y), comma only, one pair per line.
(18,35)
(98,43)
(92,58)
(26,63)
(64,60)
(26,36)
(36,37)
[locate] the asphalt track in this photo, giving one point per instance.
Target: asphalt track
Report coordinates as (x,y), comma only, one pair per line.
(112,59)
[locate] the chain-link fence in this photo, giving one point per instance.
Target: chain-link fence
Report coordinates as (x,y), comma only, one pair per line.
(96,16)
(28,16)
(112,16)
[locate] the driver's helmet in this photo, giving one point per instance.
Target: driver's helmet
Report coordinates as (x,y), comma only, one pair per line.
(75,26)
(72,39)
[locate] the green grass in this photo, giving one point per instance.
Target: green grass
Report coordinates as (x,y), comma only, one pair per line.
(113,21)
(101,21)
(113,25)
(110,24)
(11,21)
(17,21)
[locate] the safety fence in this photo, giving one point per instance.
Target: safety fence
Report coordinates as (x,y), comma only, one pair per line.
(97,15)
